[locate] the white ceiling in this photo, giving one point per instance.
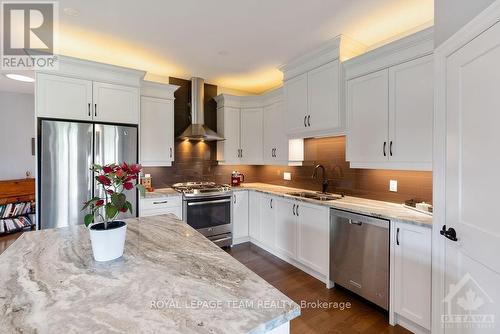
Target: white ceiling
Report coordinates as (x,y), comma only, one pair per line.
(237,44)
(13,86)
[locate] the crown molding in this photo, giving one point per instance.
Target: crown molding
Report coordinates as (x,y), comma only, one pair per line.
(339,47)
(158,90)
(251,101)
(405,49)
(91,70)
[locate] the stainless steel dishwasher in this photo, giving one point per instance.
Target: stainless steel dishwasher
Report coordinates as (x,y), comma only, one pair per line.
(359,255)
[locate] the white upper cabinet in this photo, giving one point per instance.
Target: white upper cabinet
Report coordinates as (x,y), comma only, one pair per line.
(296,104)
(228,126)
(63,97)
(323,97)
(390,105)
(313,85)
(85,90)
(411,105)
(115,103)
(250,140)
(254,131)
(368,118)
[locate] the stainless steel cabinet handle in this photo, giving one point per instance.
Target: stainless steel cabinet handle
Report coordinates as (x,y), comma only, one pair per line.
(305,121)
(271,203)
(293,210)
(297,210)
(385,144)
(397,236)
(162,202)
(390,148)
(170,152)
(95,109)
(353,222)
(209,202)
(89,109)
(241,152)
(309,120)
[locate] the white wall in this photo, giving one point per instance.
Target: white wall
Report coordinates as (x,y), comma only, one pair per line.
(451,15)
(17,127)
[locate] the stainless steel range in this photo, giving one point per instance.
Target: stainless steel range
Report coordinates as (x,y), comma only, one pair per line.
(207,207)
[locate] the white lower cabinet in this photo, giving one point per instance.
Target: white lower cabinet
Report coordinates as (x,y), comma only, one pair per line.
(286,227)
(313,231)
(240,217)
(268,221)
(254,215)
(411,288)
(160,206)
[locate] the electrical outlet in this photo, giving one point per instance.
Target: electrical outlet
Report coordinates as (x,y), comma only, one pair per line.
(287,176)
(393,186)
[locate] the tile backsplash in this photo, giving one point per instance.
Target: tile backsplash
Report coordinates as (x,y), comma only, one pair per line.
(196,161)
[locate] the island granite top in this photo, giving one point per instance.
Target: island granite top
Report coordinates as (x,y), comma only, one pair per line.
(170,279)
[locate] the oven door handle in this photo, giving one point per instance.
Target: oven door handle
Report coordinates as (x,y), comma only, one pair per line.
(210,202)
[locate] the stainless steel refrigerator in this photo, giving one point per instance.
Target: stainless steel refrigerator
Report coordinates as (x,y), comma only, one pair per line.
(66,152)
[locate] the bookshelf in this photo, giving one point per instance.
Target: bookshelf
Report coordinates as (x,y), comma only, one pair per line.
(17,198)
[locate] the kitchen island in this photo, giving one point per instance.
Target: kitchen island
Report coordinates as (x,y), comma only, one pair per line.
(171,279)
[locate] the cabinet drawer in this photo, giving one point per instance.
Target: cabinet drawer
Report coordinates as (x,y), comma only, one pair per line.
(177,210)
(160,202)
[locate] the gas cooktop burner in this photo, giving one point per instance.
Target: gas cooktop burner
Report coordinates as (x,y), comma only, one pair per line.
(201,188)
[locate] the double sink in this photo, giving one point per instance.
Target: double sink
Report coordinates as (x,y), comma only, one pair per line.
(316,196)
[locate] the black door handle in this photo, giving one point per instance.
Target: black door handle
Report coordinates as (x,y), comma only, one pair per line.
(309,120)
(305,120)
(89,109)
(293,210)
(95,109)
(397,236)
(385,144)
(449,233)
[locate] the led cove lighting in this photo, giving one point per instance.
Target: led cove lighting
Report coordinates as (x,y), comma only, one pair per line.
(19,77)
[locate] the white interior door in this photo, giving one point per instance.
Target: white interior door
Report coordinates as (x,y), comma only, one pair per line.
(472,266)
(368,110)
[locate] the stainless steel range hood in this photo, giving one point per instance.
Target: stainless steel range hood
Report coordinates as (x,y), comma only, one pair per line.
(197,130)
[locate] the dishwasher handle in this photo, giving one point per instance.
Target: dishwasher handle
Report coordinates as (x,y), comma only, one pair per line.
(355,222)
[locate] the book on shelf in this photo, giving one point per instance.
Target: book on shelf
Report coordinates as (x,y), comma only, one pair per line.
(16,216)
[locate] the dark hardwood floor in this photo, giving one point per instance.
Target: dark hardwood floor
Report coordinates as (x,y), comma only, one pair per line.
(362,317)
(7,240)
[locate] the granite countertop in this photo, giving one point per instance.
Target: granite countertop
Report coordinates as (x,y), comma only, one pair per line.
(386,210)
(162,192)
(171,279)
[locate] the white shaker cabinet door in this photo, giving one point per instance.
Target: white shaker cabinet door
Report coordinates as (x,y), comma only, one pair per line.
(296,104)
(157,132)
(251,136)
(286,227)
(228,126)
(323,97)
(411,108)
(63,97)
(412,273)
(313,236)
(267,220)
(115,103)
(240,216)
(254,215)
(367,108)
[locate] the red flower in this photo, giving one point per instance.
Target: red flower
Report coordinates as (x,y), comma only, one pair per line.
(99,202)
(119,172)
(104,180)
(125,167)
(135,169)
(124,209)
(109,191)
(107,169)
(128,185)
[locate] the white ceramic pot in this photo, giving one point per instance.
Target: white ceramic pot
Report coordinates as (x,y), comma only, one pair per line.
(108,244)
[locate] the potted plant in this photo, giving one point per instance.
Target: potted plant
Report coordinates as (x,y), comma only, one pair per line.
(107,235)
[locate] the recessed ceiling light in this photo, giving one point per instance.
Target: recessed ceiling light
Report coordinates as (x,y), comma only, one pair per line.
(71,11)
(19,77)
